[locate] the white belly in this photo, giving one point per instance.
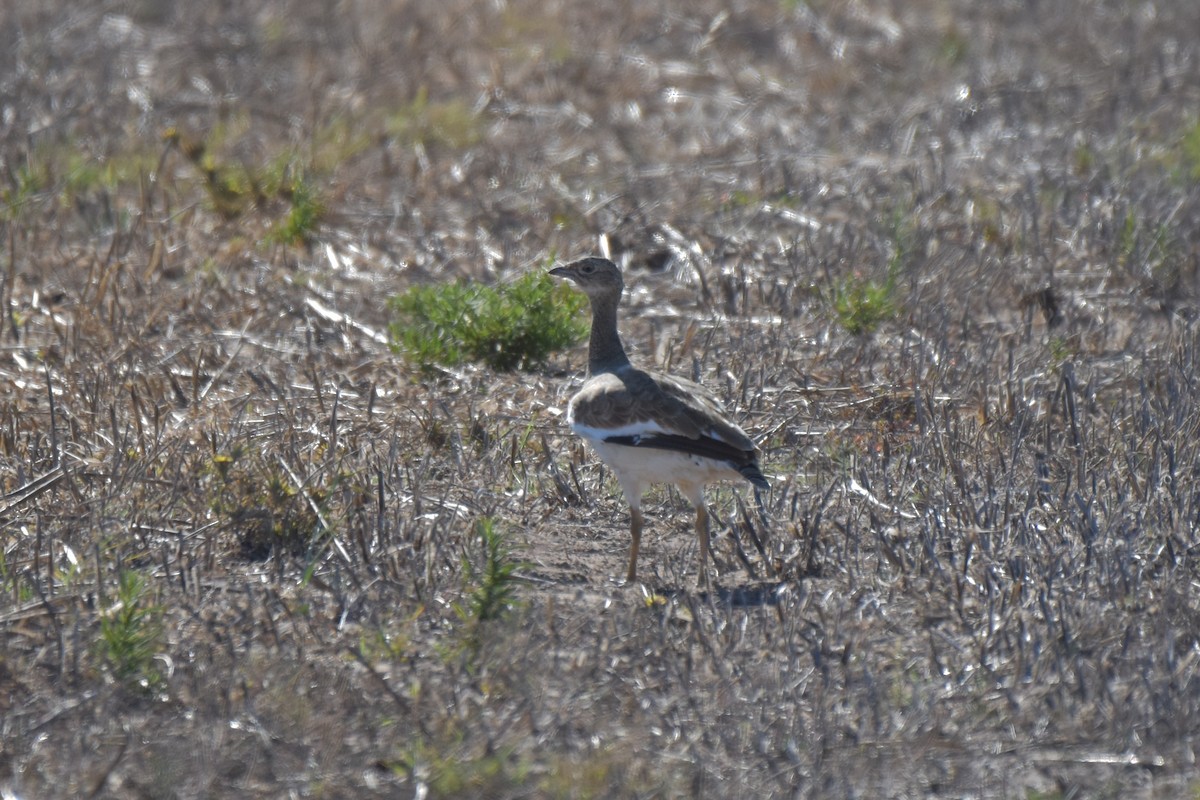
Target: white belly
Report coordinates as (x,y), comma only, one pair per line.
(638,467)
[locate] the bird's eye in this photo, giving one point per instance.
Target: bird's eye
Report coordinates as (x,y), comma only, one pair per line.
(589,268)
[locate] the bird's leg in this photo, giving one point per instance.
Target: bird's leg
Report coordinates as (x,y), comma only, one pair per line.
(635,533)
(702,532)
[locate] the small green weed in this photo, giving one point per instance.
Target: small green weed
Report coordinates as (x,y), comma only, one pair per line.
(449,122)
(489,591)
(861,304)
(84,173)
(1136,245)
(1083,159)
(235,189)
(740,198)
(493,582)
(24,184)
(1034,794)
(263,507)
(10,585)
(447,771)
(390,642)
(529,37)
(1189,150)
(65,169)
(513,326)
(1151,252)
(1061,350)
(451,773)
(131,635)
(340,139)
(305,211)
(953,47)
(608,772)
(232,190)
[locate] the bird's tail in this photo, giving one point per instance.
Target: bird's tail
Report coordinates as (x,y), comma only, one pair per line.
(752,473)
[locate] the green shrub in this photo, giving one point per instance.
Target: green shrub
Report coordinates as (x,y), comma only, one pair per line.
(1190,150)
(490,582)
(451,771)
(861,304)
(493,583)
(512,326)
(131,634)
(448,122)
(261,503)
(304,214)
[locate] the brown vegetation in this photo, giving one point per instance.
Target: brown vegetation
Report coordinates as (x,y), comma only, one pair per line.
(941,258)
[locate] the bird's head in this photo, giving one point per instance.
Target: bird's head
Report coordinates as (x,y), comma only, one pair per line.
(595,276)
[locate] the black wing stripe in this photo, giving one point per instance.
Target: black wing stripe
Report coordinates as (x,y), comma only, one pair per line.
(702,446)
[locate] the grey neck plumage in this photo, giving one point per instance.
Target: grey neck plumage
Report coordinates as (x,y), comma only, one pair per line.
(605,351)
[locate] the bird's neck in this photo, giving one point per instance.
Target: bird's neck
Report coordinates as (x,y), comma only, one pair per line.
(605,351)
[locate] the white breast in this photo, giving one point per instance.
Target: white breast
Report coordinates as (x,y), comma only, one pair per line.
(639,467)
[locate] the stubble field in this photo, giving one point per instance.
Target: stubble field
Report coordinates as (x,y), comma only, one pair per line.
(940,258)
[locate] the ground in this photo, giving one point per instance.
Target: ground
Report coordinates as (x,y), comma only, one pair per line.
(939,258)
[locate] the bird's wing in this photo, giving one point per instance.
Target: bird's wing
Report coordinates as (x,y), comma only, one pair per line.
(703,408)
(641,408)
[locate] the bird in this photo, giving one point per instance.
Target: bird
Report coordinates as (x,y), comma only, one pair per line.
(650,427)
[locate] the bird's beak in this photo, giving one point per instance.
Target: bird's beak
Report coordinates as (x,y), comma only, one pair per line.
(561,272)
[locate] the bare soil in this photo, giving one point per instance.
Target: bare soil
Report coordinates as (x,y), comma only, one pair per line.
(980,563)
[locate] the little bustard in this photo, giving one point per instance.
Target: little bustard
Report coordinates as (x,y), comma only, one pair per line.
(646,426)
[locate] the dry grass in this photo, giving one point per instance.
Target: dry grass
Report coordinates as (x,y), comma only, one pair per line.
(981,571)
